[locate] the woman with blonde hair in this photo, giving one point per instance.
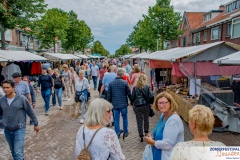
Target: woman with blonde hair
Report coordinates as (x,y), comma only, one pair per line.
(67,80)
(169,130)
(201,122)
(105,144)
(140,97)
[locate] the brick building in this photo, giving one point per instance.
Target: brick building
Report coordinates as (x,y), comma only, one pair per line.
(208,27)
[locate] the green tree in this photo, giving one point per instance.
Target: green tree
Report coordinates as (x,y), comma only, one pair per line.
(52,27)
(124,49)
(79,35)
(164,21)
(99,48)
(18,13)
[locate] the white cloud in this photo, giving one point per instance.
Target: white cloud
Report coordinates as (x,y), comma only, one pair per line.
(111,21)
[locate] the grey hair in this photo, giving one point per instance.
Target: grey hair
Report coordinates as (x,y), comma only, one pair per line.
(81,71)
(96,113)
(121,71)
(113,67)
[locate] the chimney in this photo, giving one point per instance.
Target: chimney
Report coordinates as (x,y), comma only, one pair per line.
(221,7)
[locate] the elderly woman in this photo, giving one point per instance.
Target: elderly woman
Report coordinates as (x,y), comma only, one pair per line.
(169,130)
(105,144)
(201,122)
(82,86)
(141,104)
(67,80)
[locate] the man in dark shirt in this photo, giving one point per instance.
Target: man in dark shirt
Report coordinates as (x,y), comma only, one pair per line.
(45,80)
(118,94)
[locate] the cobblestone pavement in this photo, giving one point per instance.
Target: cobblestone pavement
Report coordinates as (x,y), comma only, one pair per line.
(56,139)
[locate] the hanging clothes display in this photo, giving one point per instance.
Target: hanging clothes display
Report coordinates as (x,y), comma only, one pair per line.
(36,68)
(8,70)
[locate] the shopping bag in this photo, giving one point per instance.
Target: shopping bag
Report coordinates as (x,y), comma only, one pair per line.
(147,153)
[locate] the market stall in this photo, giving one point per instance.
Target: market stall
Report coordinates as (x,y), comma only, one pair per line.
(232,59)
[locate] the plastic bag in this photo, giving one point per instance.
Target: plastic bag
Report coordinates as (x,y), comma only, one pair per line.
(147,153)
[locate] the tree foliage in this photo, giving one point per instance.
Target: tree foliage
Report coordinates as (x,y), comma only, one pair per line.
(52,27)
(98,48)
(18,13)
(160,25)
(124,49)
(79,35)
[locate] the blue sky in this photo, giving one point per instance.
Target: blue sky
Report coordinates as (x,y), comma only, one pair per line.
(111,21)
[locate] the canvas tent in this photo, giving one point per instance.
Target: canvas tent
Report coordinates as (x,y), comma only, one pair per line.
(139,55)
(82,56)
(20,56)
(232,59)
(58,56)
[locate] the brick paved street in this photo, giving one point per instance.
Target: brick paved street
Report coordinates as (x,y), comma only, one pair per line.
(56,139)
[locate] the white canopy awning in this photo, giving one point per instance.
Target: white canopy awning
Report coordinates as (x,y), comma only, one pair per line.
(58,56)
(82,56)
(175,53)
(139,55)
(3,59)
(20,56)
(232,59)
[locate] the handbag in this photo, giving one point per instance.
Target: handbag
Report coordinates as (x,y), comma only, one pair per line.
(147,153)
(79,95)
(151,112)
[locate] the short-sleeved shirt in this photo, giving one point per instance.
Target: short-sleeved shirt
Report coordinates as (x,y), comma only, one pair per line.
(94,70)
(128,69)
(102,71)
(22,88)
(66,76)
(108,78)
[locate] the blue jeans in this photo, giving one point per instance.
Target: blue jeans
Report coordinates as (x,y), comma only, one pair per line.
(15,141)
(94,81)
(58,93)
(46,97)
(53,99)
(124,112)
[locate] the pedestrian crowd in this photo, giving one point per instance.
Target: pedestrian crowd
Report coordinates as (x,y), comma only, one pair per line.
(120,86)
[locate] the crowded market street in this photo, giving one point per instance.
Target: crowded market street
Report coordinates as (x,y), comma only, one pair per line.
(57,136)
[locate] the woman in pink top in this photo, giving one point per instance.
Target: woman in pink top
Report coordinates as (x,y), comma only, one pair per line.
(134,77)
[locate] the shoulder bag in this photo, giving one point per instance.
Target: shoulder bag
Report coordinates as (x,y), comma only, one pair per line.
(151,112)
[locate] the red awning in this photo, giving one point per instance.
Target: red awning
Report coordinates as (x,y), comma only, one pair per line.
(205,69)
(160,64)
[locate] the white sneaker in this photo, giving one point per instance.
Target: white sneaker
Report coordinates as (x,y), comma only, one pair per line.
(1,131)
(81,121)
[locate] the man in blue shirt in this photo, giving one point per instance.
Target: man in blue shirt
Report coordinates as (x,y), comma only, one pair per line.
(107,79)
(21,87)
(128,67)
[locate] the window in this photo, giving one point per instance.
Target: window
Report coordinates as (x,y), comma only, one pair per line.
(205,35)
(229,8)
(207,17)
(215,33)
(232,6)
(236,28)
(184,41)
(196,38)
(229,27)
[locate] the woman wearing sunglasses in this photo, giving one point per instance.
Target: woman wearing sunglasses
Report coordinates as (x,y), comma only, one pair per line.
(169,130)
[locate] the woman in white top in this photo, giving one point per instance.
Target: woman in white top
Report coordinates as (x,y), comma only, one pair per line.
(82,85)
(201,122)
(105,144)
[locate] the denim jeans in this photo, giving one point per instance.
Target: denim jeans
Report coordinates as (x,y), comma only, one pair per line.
(15,141)
(58,94)
(124,112)
(95,81)
(46,97)
(54,99)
